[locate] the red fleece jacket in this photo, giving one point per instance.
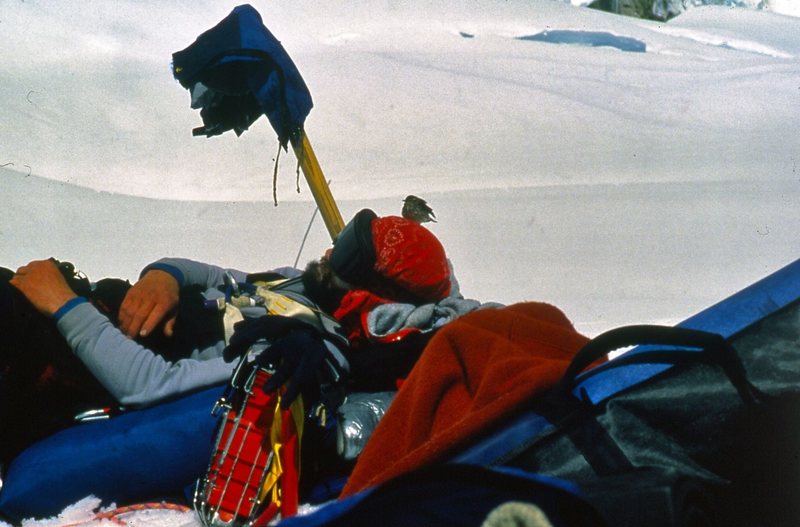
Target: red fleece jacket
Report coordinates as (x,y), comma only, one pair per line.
(476,371)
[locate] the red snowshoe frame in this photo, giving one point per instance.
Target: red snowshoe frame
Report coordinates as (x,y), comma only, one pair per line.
(254,468)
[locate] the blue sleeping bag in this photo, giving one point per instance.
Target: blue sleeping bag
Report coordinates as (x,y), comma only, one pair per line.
(140,455)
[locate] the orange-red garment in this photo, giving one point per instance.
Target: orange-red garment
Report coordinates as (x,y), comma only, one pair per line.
(353,313)
(476,370)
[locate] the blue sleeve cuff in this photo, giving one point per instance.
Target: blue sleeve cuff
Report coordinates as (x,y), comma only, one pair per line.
(67,307)
(172,270)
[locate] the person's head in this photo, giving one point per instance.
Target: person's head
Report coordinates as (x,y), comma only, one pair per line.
(392,256)
(322,285)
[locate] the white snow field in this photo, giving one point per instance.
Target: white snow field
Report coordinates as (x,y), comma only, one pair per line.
(626,171)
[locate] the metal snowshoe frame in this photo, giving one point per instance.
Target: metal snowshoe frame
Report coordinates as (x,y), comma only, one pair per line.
(234,491)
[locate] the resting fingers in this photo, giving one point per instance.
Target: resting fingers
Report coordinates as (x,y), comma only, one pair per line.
(151,301)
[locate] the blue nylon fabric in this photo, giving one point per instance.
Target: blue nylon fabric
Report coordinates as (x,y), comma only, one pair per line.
(516,432)
(453,494)
(137,456)
(263,72)
(727,318)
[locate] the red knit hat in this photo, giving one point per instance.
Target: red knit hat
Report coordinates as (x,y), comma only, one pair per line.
(402,251)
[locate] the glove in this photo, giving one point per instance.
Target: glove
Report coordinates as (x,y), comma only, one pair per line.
(249,331)
(299,358)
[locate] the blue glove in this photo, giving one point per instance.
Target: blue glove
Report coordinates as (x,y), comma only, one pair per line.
(299,358)
(249,331)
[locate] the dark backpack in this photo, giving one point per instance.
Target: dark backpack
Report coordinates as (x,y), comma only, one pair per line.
(697,435)
(42,384)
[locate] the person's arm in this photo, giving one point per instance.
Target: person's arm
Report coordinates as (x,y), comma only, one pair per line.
(133,374)
(154,298)
(191,272)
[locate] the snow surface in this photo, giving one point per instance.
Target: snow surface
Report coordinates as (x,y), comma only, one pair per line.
(564,163)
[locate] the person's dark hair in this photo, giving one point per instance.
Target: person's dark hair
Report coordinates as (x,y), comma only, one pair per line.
(320,286)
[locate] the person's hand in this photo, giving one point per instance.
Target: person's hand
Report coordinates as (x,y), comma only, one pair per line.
(43,285)
(149,302)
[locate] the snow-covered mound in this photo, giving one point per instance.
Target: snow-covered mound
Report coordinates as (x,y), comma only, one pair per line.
(669,8)
(434,96)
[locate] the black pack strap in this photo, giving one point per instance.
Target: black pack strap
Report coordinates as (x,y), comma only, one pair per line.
(713,349)
(577,417)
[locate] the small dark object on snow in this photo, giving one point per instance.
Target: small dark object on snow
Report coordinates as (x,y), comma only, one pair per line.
(417,209)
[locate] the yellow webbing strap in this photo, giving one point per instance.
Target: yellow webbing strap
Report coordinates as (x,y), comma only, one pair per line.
(271,486)
(280,304)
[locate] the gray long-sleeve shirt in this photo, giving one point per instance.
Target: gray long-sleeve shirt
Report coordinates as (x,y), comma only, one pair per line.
(133,374)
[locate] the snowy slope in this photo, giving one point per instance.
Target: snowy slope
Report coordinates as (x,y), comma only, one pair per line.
(437,96)
(624,186)
(606,254)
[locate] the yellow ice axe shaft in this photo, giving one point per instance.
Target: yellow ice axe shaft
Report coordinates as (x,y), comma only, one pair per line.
(319,187)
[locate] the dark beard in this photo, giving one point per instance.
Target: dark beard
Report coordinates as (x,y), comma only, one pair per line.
(320,287)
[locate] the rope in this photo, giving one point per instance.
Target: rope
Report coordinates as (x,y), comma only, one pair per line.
(305,236)
(297,176)
(275,176)
(114,514)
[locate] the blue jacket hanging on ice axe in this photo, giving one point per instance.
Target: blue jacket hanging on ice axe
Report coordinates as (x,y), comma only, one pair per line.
(238,71)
